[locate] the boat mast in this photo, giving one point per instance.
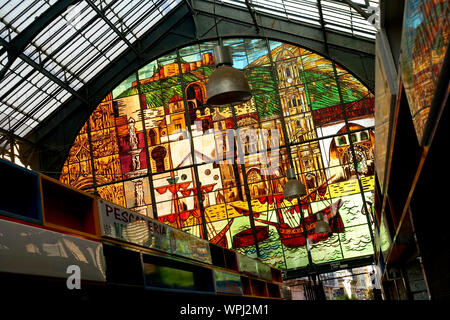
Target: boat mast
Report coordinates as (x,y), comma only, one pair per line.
(200,229)
(278,209)
(175,199)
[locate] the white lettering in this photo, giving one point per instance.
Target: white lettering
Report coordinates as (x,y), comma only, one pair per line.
(74,280)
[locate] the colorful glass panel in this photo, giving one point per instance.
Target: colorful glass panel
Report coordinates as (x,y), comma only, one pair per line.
(424,43)
(215,172)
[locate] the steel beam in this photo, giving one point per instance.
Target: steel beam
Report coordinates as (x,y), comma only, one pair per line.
(42,70)
(30,32)
(252,14)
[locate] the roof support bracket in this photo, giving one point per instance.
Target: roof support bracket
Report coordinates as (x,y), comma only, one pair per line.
(252,14)
(357,8)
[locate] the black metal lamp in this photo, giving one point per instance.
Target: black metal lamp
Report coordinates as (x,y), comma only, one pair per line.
(226,85)
(321,225)
(293,188)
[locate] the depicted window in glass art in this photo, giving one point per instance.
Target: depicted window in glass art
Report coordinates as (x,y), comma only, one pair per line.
(219,172)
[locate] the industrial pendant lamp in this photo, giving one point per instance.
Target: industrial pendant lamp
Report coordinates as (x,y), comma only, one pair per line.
(293,188)
(321,225)
(226,85)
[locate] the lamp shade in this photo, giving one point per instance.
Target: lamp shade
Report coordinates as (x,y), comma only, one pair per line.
(226,85)
(293,188)
(321,225)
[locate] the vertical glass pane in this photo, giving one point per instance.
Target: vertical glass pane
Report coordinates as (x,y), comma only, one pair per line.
(114,193)
(107,169)
(356,242)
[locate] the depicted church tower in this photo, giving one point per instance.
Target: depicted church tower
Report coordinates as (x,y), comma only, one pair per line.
(299,119)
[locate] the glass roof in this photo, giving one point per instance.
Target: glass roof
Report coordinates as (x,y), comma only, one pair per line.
(70,50)
(76,45)
(337,15)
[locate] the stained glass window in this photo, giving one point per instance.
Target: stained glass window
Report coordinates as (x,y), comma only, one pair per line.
(425,38)
(156,146)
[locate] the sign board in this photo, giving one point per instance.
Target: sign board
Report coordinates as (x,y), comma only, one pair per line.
(189,246)
(264,271)
(125,225)
(122,224)
(31,250)
(228,282)
(247,264)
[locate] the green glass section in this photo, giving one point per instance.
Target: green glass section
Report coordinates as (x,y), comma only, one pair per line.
(194,76)
(295,257)
(167,277)
(316,67)
(126,88)
(356,242)
(351,210)
(156,96)
(351,88)
(260,79)
(327,250)
(272,253)
(267,105)
(249,251)
(322,93)
(385,239)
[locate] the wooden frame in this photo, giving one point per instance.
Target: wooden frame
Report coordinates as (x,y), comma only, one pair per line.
(21,197)
(78,214)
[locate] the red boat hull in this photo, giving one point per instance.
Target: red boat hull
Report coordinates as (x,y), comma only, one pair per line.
(245,238)
(295,237)
(295,241)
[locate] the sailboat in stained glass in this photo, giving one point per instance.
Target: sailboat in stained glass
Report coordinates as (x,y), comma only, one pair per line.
(180,214)
(291,232)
